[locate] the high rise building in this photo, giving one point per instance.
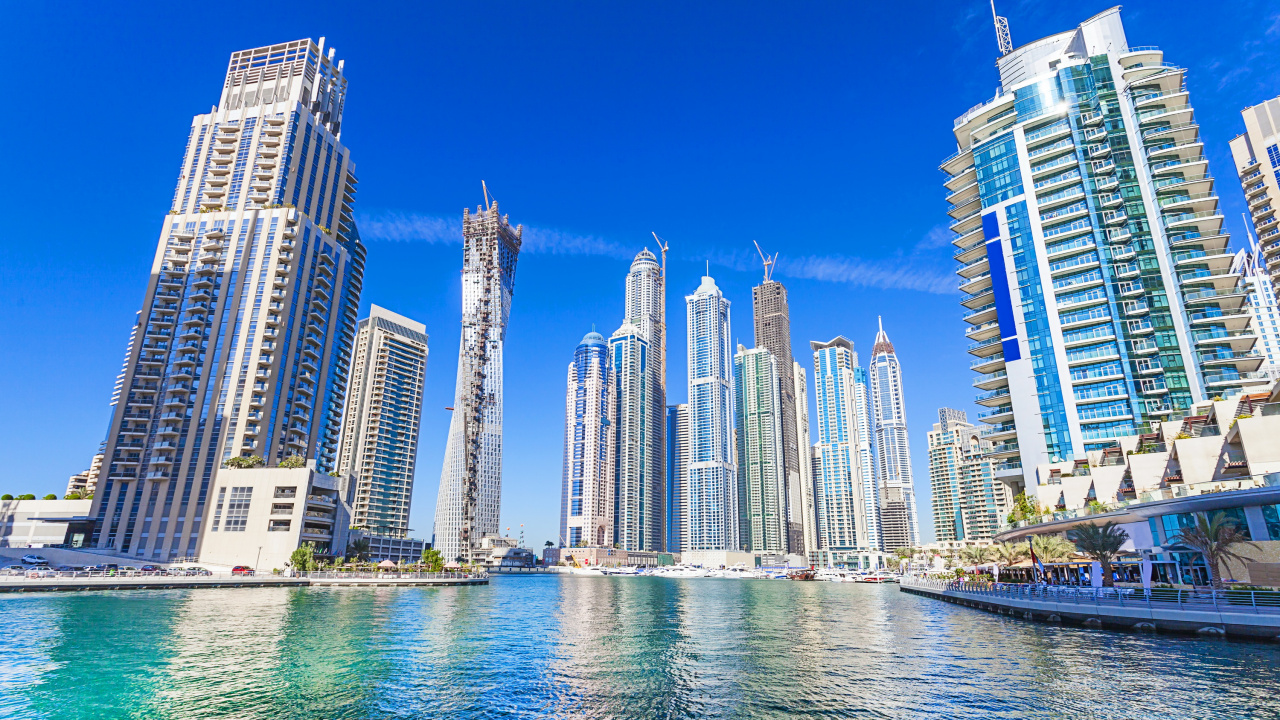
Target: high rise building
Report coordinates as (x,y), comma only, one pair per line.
(640,365)
(773,333)
(633,494)
(1257,157)
(244,341)
(805,512)
(380,424)
(677,474)
(711,494)
(471,477)
(1262,304)
(845,522)
(586,505)
(892,452)
(873,492)
(968,502)
(762,487)
(1093,264)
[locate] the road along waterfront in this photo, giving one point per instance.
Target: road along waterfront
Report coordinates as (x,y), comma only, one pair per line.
(556,646)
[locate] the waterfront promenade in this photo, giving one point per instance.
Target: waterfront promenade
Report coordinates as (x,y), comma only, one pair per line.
(93,581)
(1244,613)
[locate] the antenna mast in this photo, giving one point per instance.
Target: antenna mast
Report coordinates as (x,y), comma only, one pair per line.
(485,188)
(767,260)
(1002,31)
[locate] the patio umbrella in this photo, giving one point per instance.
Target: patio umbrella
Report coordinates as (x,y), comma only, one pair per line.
(386,564)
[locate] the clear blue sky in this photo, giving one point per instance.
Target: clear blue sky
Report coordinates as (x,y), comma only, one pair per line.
(814,128)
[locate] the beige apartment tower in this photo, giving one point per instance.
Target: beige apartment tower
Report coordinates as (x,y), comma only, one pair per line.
(1257,157)
(381,423)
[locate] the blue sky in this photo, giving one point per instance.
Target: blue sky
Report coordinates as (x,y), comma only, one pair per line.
(813,128)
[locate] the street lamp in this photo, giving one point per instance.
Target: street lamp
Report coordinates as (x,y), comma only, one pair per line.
(255,560)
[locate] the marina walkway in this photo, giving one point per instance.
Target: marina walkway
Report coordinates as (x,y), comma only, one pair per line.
(1245,613)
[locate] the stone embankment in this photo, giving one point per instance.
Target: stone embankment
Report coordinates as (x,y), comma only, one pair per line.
(1244,613)
(76,582)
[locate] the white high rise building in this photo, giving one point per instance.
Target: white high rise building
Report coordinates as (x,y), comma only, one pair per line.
(711,493)
(640,362)
(647,310)
(244,341)
(762,483)
(1262,304)
(805,512)
(1256,153)
(470,494)
(677,474)
(968,502)
(846,519)
(900,526)
(1095,272)
(586,504)
(380,423)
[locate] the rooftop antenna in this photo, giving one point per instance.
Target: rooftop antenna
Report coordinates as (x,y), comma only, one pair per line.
(768,262)
(485,188)
(1002,31)
(708,267)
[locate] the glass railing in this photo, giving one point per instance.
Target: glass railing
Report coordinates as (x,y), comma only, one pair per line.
(1069,282)
(1062,195)
(1074,174)
(1094,313)
(1073,262)
(1082,224)
(1047,130)
(1041,151)
(1091,296)
(1109,351)
(1174,163)
(1060,162)
(1068,210)
(1100,332)
(984,360)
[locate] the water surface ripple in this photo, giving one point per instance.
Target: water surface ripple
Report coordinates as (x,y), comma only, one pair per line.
(587,647)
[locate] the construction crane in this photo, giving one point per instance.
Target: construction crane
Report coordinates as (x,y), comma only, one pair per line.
(1002,31)
(768,262)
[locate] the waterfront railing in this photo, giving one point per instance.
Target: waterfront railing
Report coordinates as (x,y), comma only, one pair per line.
(390,575)
(1227,600)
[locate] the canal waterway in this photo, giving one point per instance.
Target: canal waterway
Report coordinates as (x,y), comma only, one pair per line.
(598,647)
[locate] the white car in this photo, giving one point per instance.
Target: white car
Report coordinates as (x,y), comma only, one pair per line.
(34,560)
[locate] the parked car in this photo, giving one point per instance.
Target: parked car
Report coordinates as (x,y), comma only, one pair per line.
(242,570)
(154,570)
(13,570)
(34,560)
(198,571)
(41,571)
(128,570)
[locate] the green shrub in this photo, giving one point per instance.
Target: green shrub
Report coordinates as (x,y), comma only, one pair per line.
(293,461)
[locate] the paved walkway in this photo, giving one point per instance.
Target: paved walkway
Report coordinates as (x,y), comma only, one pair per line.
(1231,612)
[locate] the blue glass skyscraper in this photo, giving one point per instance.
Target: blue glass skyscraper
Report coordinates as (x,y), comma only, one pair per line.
(587,504)
(711,493)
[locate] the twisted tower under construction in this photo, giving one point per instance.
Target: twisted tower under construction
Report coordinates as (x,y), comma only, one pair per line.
(471,479)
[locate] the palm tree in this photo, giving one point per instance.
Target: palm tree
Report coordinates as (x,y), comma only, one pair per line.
(1213,540)
(1100,542)
(358,549)
(975,554)
(1051,548)
(1008,553)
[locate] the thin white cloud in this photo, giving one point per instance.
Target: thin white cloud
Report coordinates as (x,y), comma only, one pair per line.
(412,227)
(915,271)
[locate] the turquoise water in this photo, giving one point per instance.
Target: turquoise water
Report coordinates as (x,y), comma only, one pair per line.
(586,647)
